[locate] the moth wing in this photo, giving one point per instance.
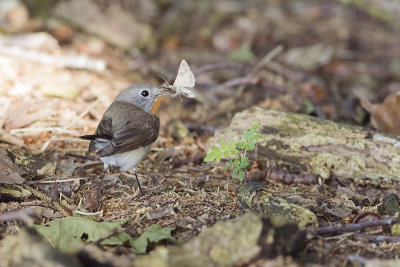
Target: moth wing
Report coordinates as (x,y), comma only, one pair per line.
(188,93)
(185,77)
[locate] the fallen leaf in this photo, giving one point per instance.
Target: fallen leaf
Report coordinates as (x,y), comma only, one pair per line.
(64,233)
(313,92)
(154,234)
(310,57)
(385,117)
(9,171)
(67,92)
(244,53)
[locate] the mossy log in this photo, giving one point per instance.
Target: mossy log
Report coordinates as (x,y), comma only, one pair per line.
(302,144)
(232,243)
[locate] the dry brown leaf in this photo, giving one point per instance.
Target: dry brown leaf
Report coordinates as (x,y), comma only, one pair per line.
(9,171)
(284,103)
(24,114)
(386,116)
(312,92)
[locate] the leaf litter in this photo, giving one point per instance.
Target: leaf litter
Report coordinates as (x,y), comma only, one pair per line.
(182,192)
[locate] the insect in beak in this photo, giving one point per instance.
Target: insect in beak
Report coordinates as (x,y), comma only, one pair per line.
(167,91)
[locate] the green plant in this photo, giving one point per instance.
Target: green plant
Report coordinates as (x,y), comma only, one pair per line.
(236,151)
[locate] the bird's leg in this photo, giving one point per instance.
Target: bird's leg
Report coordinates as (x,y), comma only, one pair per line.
(100,188)
(140,188)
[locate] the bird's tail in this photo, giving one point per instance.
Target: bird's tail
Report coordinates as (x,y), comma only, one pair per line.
(88,137)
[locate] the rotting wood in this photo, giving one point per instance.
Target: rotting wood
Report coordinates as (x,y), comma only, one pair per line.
(232,243)
(302,144)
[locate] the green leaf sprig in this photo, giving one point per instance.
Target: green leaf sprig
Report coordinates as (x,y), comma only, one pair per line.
(236,151)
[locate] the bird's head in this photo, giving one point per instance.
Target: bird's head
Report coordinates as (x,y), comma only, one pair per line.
(144,95)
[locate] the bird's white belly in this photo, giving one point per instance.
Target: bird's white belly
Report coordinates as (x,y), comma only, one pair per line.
(127,160)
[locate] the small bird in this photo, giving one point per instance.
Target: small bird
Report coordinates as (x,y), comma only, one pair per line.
(129,127)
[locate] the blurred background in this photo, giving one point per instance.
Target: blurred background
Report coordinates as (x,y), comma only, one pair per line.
(62,62)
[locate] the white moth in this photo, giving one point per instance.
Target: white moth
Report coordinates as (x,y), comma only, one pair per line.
(184,81)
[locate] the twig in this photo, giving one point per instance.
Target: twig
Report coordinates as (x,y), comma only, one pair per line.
(268,57)
(82,114)
(108,235)
(292,178)
(201,203)
(45,145)
(240,81)
(10,139)
(279,88)
(253,78)
(377,238)
(88,213)
(57,181)
(50,129)
(2,116)
(71,139)
(354,227)
(201,128)
(261,64)
(23,215)
(219,66)
(75,62)
(79,156)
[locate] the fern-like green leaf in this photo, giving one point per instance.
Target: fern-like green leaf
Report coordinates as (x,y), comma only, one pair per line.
(215,149)
(244,162)
(247,134)
(235,171)
(210,157)
(254,127)
(223,145)
(250,145)
(241,175)
(232,148)
(241,145)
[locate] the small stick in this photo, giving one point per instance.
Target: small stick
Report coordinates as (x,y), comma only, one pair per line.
(201,127)
(52,129)
(11,139)
(88,213)
(378,238)
(82,114)
(354,227)
(240,81)
(75,62)
(108,235)
(268,57)
(57,181)
(218,66)
(23,215)
(45,145)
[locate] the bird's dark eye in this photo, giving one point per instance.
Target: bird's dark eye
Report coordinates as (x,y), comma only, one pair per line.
(144,93)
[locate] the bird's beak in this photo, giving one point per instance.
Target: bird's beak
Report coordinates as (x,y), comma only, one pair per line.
(157,98)
(164,91)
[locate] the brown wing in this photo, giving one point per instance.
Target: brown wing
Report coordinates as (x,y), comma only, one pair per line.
(127,129)
(129,138)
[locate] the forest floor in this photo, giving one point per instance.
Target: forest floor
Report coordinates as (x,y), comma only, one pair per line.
(313,57)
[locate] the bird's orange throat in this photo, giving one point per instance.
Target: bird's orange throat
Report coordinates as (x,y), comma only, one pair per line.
(156,106)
